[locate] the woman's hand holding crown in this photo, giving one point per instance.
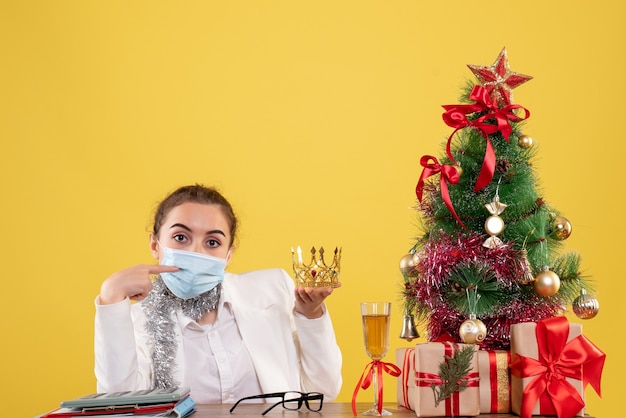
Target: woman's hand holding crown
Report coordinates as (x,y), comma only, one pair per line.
(309,300)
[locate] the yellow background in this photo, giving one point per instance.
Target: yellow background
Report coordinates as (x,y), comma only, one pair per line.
(311,116)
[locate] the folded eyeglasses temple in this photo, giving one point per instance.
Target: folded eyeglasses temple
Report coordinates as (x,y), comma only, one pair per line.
(304,398)
(261,396)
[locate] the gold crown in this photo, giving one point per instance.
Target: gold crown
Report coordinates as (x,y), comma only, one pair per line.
(316,273)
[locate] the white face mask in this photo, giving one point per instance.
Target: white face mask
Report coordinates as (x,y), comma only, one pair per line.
(198,273)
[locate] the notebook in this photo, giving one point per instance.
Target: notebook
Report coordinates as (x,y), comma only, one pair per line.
(137,397)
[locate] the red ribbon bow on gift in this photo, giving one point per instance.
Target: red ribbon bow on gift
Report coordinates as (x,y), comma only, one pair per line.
(449,174)
(578,359)
(456,117)
(375,367)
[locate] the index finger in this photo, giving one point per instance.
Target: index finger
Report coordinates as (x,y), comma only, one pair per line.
(158,268)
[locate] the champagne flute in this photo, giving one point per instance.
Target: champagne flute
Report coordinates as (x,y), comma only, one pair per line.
(375,317)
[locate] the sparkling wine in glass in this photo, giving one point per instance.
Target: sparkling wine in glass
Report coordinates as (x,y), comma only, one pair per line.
(375,317)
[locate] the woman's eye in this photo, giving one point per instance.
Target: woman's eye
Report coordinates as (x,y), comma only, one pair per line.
(213,243)
(179,238)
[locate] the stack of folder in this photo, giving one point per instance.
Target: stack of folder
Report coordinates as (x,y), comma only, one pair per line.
(172,402)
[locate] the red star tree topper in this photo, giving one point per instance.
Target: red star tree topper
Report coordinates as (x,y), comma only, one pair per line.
(498,79)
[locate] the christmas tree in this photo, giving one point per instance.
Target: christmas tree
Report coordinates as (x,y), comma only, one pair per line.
(491,250)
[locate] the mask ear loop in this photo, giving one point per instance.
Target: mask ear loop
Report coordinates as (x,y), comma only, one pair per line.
(161,246)
(228,255)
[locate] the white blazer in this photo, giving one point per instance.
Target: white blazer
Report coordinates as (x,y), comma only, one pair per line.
(289,352)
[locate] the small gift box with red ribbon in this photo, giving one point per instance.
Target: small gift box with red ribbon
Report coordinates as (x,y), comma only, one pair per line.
(551,365)
(405,393)
(495,381)
(420,379)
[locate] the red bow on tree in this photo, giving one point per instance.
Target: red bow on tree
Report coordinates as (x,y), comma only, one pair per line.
(456,116)
(579,359)
(449,174)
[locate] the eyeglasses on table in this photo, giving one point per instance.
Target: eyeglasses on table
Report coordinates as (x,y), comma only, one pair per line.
(292,401)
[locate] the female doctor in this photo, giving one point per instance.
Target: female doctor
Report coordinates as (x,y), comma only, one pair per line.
(224,335)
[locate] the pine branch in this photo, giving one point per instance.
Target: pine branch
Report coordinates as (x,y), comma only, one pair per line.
(452,372)
(478,278)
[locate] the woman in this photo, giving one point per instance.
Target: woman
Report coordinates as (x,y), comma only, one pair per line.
(224,335)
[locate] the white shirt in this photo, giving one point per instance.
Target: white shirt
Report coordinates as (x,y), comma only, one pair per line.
(218,363)
(288,352)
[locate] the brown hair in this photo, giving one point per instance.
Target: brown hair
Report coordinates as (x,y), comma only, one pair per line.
(196,193)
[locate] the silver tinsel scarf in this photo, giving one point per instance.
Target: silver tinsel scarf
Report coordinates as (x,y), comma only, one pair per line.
(159,308)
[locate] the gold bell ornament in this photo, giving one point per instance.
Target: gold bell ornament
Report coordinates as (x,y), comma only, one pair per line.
(409,331)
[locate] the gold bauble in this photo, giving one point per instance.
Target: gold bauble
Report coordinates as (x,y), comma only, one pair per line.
(494,225)
(408,262)
(585,306)
(547,282)
(473,331)
(525,141)
(459,169)
(561,228)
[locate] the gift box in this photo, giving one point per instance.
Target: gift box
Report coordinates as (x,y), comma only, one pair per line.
(551,364)
(405,393)
(420,372)
(494,381)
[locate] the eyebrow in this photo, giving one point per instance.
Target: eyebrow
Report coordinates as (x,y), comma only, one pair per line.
(185,227)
